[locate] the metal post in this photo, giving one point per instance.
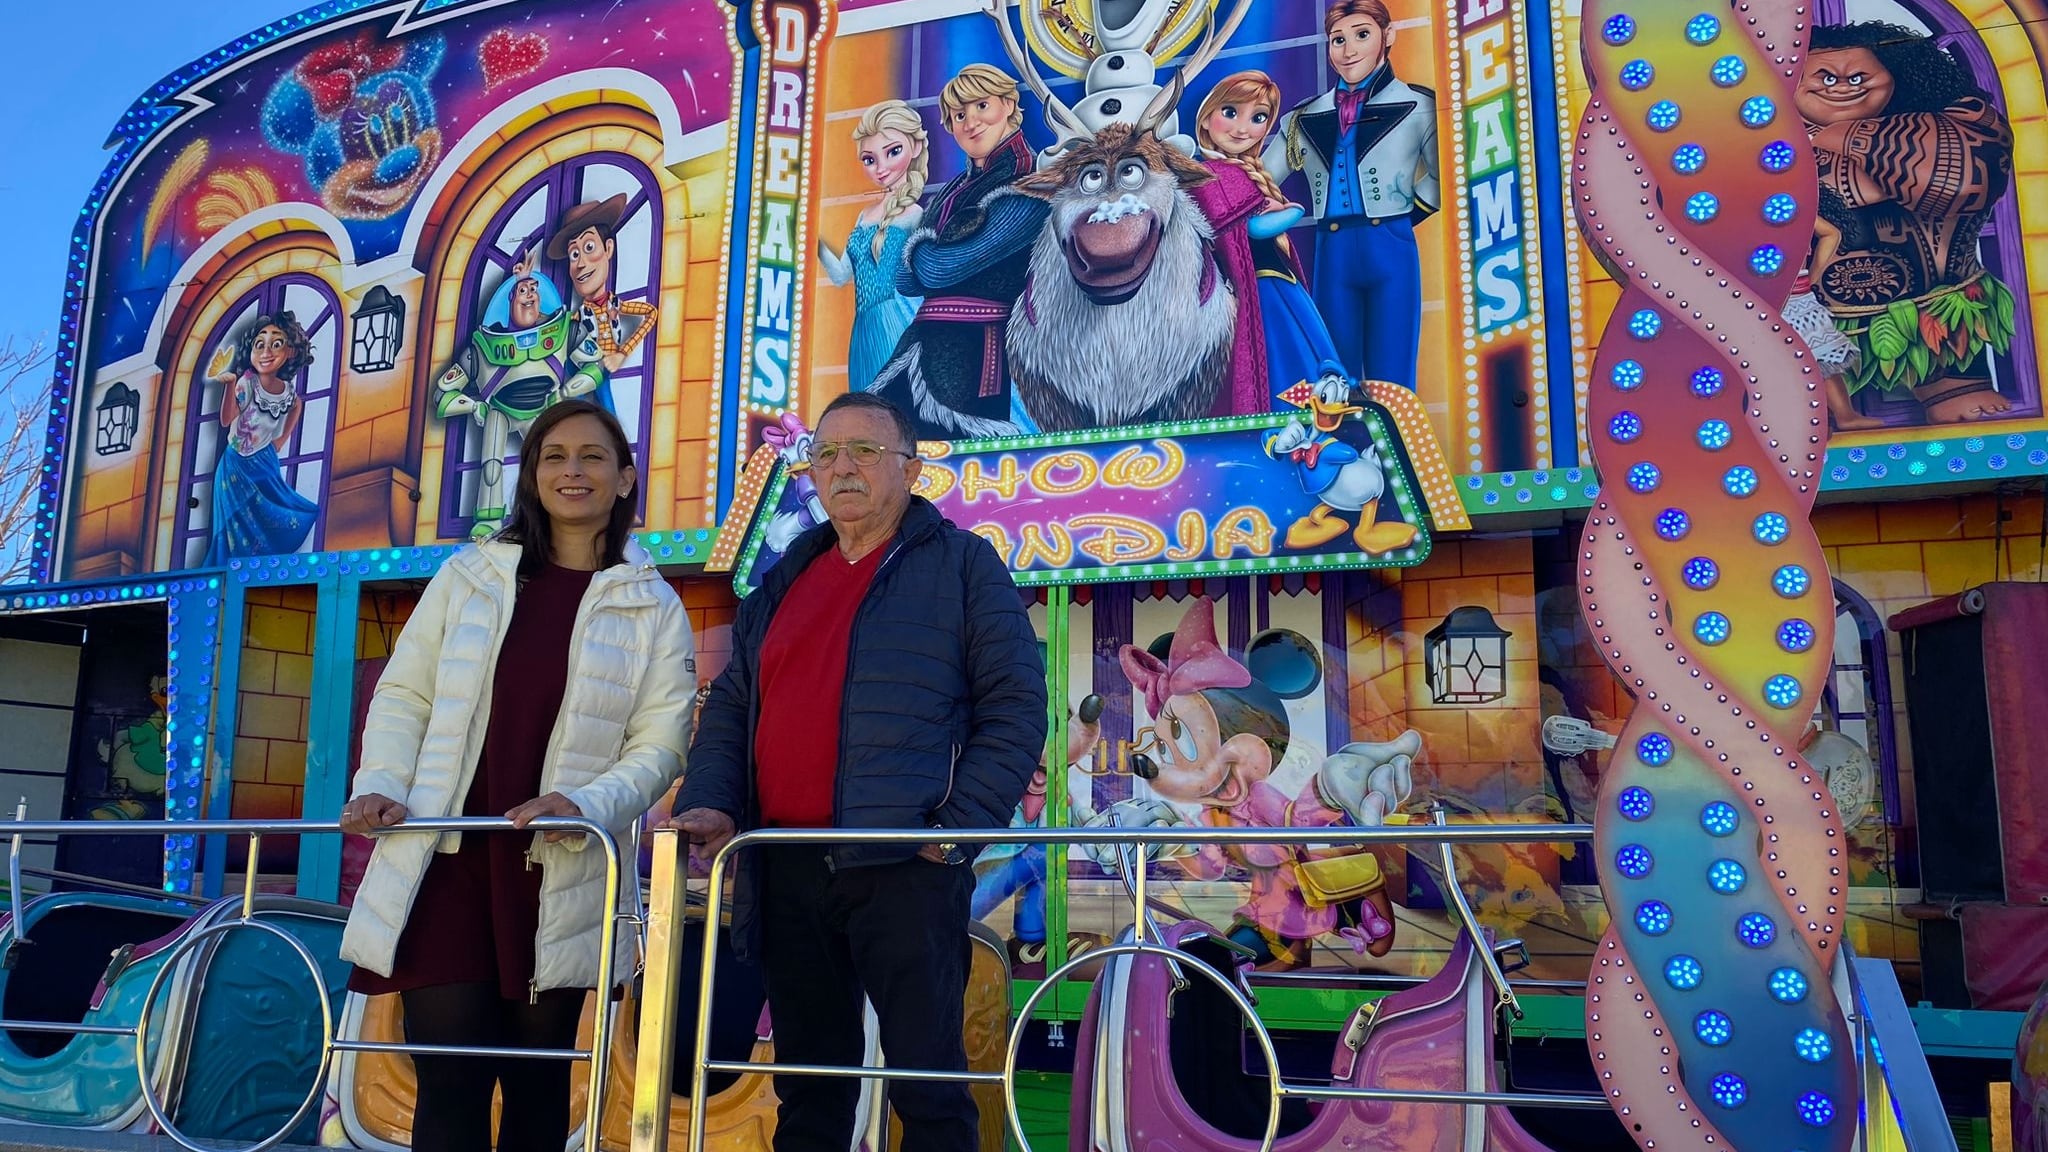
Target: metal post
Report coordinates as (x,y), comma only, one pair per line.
(1456,894)
(654,1063)
(249,878)
(700,1048)
(601,1024)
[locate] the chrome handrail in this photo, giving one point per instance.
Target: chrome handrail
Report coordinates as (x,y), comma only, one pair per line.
(654,1062)
(600,1034)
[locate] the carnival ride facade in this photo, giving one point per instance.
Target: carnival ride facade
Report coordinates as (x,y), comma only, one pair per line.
(1476,470)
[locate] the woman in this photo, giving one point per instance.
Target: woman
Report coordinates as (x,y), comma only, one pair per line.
(1282,340)
(256,512)
(892,142)
(559,635)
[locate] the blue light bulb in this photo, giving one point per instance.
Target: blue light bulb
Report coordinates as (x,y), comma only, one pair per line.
(1713,1028)
(1726,877)
(1636,803)
(1756,930)
(1683,973)
(1782,691)
(1795,635)
(1816,1110)
(1653,917)
(1812,1045)
(1729,1091)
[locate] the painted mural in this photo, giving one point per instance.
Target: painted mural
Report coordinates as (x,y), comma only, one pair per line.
(1919,290)
(345,281)
(1002,208)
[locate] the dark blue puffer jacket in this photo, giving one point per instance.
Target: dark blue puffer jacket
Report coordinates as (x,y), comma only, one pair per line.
(944,713)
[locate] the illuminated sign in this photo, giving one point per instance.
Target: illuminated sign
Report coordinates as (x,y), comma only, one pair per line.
(1495,264)
(1244,494)
(789,35)
(1504,421)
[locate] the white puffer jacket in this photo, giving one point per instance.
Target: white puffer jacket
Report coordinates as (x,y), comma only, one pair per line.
(618,744)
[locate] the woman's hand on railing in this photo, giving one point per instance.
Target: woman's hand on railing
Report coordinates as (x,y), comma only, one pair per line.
(370,811)
(552,804)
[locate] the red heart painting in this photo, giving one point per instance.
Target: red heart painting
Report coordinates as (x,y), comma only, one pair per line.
(508,57)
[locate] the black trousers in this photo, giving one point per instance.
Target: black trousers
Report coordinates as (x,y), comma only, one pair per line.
(897,932)
(453,1109)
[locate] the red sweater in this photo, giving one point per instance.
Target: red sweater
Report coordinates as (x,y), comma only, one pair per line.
(803,685)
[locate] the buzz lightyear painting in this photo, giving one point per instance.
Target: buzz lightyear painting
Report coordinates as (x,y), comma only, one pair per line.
(513,367)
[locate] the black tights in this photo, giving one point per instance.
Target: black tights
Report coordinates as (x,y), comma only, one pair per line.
(453,1110)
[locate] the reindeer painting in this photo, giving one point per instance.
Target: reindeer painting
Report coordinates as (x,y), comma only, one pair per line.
(1125,316)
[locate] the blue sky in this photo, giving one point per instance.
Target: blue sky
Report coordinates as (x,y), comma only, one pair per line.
(73,75)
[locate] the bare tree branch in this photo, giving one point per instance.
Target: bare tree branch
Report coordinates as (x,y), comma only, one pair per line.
(25,393)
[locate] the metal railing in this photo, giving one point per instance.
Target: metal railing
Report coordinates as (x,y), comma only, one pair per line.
(600,1036)
(670,895)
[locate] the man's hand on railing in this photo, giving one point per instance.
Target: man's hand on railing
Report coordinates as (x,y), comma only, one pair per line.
(370,811)
(707,828)
(552,804)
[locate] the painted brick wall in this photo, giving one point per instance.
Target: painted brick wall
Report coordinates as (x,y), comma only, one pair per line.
(269,761)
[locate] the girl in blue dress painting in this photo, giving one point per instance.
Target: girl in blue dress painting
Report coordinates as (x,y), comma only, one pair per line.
(1251,231)
(891,139)
(255,511)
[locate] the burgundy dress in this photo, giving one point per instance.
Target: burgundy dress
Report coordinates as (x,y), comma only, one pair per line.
(479,908)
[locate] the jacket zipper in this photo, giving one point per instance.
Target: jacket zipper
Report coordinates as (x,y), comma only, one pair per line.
(852,646)
(852,638)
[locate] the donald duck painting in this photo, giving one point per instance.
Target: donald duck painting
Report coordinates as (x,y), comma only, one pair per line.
(1337,463)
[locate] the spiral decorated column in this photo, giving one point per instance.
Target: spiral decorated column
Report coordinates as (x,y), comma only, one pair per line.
(1710,1016)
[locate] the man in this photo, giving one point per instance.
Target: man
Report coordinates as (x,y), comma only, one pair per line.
(969,263)
(885,675)
(585,238)
(1368,147)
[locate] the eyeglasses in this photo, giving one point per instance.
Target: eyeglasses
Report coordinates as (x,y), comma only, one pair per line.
(865,453)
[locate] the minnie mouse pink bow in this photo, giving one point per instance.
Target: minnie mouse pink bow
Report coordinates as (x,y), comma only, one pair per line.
(784,432)
(1194,662)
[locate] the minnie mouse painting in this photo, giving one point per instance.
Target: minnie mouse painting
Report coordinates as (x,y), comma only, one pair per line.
(1217,736)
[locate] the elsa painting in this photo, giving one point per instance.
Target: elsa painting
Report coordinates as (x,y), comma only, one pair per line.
(893,150)
(255,511)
